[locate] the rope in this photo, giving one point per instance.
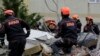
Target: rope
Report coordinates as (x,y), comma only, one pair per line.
(48,6)
(51,9)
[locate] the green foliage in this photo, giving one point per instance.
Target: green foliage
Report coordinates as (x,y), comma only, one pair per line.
(21,11)
(1,15)
(12,4)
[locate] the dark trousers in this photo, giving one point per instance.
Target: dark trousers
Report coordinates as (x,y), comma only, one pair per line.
(17,47)
(65,45)
(2,42)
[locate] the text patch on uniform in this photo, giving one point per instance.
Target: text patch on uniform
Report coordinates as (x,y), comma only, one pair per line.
(13,22)
(68,24)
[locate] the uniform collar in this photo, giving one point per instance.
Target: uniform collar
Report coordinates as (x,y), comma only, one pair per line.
(10,17)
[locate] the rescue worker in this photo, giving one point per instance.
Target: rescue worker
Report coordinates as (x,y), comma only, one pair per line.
(15,33)
(2,34)
(91,26)
(67,31)
(78,23)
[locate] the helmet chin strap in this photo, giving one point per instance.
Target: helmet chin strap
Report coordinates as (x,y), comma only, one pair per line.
(65,16)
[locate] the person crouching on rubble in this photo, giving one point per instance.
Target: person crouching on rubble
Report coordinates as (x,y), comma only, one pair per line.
(67,30)
(92,28)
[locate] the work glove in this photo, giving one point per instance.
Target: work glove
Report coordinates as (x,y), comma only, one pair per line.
(56,36)
(2,42)
(28,33)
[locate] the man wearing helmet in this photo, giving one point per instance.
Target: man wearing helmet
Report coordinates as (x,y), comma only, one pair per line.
(15,33)
(91,26)
(78,23)
(67,31)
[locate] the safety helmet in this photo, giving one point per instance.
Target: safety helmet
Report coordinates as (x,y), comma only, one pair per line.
(75,17)
(8,12)
(89,18)
(65,10)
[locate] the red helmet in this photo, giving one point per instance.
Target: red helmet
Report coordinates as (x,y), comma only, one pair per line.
(65,10)
(8,12)
(75,16)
